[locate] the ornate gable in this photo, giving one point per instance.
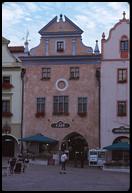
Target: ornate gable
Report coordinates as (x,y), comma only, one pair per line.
(59,27)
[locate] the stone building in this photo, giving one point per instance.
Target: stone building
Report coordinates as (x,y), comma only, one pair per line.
(11,101)
(61,89)
(115,99)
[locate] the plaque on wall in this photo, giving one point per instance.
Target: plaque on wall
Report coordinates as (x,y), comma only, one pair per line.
(120,130)
(60,124)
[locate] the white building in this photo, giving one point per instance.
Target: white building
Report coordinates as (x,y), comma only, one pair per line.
(115,84)
(11,101)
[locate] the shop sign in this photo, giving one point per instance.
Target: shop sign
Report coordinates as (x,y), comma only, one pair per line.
(60,124)
(120,130)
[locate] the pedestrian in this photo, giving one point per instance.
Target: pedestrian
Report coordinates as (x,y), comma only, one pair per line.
(63,163)
(12,163)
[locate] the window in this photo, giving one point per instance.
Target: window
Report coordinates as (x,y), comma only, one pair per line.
(6,79)
(40,105)
(82,106)
(121,111)
(46,73)
(74,73)
(60,105)
(60,46)
(5,106)
(124,47)
(122,75)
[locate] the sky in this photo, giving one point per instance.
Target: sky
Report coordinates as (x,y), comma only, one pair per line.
(93,18)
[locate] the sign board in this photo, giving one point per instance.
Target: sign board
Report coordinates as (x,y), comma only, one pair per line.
(60,124)
(120,130)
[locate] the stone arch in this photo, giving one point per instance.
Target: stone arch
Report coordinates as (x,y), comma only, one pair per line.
(75,143)
(120,155)
(121,139)
(10,145)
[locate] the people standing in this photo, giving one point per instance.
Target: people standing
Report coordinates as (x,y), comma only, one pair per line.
(12,163)
(63,163)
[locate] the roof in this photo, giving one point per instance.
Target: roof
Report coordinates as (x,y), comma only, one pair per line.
(4,40)
(61,27)
(38,138)
(16,48)
(118,146)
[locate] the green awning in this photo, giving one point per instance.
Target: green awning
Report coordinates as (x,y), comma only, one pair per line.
(118,146)
(39,138)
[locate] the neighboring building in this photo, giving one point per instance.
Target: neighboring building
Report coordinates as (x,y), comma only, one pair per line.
(61,89)
(11,101)
(115,99)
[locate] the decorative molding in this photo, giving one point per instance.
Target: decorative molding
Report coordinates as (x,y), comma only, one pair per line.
(60,124)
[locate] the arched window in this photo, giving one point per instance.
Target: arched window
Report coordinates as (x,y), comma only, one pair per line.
(124,47)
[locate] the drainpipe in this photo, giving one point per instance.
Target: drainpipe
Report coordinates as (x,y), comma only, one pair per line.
(22,77)
(99,85)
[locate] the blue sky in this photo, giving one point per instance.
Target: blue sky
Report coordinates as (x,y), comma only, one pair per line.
(93,18)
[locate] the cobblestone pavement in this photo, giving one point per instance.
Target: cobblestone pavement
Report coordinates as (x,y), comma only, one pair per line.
(48,178)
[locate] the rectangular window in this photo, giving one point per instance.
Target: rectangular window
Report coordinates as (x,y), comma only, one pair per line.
(124,45)
(6,79)
(46,73)
(82,105)
(60,46)
(74,73)
(122,75)
(6,106)
(40,105)
(60,105)
(121,111)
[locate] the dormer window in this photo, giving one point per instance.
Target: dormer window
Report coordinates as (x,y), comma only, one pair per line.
(60,46)
(124,47)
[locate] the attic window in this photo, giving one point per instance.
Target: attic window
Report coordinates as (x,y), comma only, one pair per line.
(60,46)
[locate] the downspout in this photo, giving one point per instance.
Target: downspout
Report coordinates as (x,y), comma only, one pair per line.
(99,85)
(22,77)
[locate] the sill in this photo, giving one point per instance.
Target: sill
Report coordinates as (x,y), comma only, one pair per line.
(45,79)
(61,114)
(122,82)
(7,86)
(38,115)
(121,115)
(60,50)
(82,114)
(6,114)
(74,78)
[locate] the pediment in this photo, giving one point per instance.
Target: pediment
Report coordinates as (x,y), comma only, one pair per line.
(60,26)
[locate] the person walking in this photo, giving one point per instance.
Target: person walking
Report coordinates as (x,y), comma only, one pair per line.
(63,163)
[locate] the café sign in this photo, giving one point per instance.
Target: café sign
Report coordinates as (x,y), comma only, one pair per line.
(60,124)
(122,130)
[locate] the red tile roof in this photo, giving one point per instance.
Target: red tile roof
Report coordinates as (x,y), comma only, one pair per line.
(16,49)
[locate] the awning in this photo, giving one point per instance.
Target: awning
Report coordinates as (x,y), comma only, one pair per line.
(118,146)
(39,138)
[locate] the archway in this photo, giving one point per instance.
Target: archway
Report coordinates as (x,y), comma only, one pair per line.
(76,145)
(119,155)
(10,146)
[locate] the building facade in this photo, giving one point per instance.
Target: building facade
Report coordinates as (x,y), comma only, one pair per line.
(61,89)
(11,101)
(115,99)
